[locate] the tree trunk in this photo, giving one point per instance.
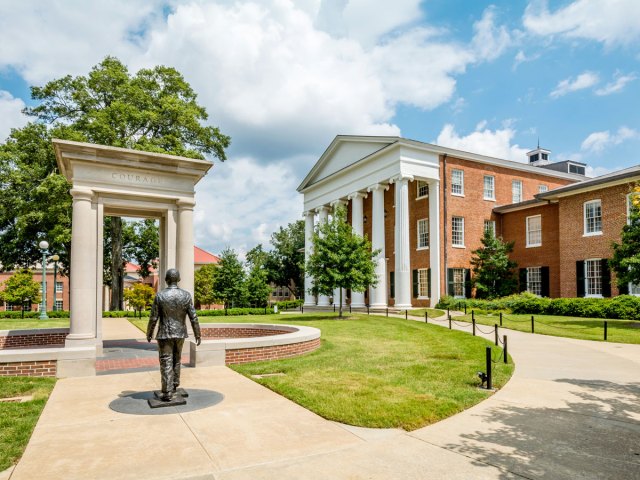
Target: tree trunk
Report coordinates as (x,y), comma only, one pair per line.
(117,274)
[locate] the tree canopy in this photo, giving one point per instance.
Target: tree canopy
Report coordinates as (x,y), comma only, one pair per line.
(626,254)
(493,271)
(204,279)
(139,296)
(285,262)
(229,281)
(154,109)
(340,258)
(20,286)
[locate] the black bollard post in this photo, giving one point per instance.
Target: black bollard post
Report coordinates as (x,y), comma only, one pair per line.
(387,311)
(334,308)
(349,308)
(265,310)
(532,327)
(473,315)
(449,322)
(505,353)
(426,317)
(225,311)
(406,314)
(488,357)
(448,313)
(495,331)
(500,318)
(465,308)
(605,330)
(368,310)
(301,308)
(473,322)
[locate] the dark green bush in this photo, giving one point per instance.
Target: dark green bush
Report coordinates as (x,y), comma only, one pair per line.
(30,314)
(289,304)
(624,306)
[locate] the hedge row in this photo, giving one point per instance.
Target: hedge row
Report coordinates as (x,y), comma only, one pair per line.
(289,304)
(132,314)
(623,306)
(30,314)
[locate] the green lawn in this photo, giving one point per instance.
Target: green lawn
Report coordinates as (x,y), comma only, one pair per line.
(17,420)
(374,371)
(619,331)
(431,312)
(28,323)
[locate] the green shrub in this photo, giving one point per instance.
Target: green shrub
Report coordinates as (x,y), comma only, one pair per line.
(625,307)
(289,304)
(30,314)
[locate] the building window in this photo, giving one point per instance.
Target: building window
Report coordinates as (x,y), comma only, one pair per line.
(593,277)
(458,282)
(457,182)
(534,280)
(534,158)
(534,231)
(423,233)
(593,218)
(8,308)
(423,283)
(490,226)
(423,189)
(457,231)
(543,188)
(58,305)
(545,156)
(634,289)
(489,187)
(516,191)
(59,287)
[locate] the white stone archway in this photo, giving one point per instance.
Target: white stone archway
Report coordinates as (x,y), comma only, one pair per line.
(128,183)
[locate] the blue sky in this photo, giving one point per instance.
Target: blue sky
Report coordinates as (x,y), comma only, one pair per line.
(284,77)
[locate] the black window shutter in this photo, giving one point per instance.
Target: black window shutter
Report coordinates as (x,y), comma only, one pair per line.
(467,283)
(606,278)
(415,283)
(392,284)
(580,278)
(544,271)
(429,283)
(522,278)
(450,282)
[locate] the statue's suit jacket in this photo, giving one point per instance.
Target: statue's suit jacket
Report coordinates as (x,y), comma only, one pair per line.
(169,310)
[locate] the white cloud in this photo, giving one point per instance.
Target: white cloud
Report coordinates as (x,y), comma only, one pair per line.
(241,201)
(521,57)
(598,141)
(10,114)
(489,41)
(617,85)
(614,22)
(599,171)
(494,143)
(582,81)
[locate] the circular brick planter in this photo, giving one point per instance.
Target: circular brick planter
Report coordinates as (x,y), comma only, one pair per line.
(234,343)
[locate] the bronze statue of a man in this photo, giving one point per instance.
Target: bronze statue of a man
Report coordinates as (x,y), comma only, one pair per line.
(169,310)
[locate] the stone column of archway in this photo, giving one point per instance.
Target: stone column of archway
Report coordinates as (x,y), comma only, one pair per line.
(124,182)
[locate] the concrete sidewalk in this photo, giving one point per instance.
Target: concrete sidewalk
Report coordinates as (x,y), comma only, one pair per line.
(572,410)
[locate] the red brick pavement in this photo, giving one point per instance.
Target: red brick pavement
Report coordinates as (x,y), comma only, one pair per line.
(126,363)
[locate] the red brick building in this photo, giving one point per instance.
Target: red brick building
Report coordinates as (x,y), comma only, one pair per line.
(57,298)
(426,208)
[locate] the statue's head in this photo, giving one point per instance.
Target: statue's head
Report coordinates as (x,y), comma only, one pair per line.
(172,276)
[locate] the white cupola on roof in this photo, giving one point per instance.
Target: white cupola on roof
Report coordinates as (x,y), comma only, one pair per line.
(539,157)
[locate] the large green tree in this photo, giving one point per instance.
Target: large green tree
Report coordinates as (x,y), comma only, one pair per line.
(229,281)
(19,286)
(493,270)
(340,258)
(203,281)
(285,262)
(154,109)
(626,254)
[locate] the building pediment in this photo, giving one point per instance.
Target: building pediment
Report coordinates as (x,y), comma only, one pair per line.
(343,152)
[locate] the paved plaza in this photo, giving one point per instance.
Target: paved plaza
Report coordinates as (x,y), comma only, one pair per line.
(571,410)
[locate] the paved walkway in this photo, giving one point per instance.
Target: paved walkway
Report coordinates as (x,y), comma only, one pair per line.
(571,410)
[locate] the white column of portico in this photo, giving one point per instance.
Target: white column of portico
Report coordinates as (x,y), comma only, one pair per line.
(402,253)
(185,255)
(434,240)
(378,294)
(357,213)
(309,298)
(323,216)
(336,292)
(84,263)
